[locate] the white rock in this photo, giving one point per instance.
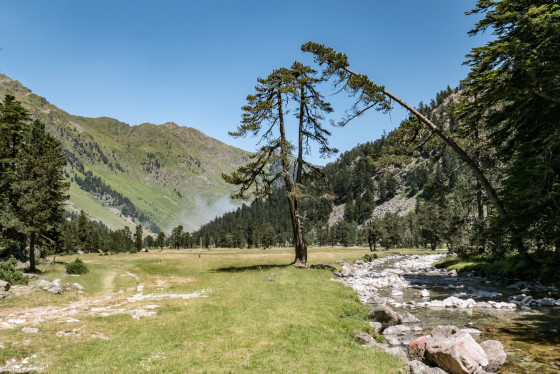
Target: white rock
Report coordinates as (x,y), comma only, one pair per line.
(425,293)
(397,293)
(30,330)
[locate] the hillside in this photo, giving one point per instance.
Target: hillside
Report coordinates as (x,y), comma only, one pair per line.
(157,175)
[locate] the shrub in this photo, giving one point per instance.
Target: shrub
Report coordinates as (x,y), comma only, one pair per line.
(76,267)
(9,273)
(370,257)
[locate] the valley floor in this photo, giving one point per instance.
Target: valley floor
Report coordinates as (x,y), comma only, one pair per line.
(172,312)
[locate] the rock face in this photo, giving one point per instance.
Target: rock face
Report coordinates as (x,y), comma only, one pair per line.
(496,355)
(458,354)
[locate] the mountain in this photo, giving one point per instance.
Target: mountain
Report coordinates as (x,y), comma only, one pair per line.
(158,175)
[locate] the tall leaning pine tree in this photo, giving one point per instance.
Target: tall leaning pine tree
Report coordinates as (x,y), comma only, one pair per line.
(278,159)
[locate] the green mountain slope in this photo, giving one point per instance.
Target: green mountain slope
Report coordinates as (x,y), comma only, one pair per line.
(157,175)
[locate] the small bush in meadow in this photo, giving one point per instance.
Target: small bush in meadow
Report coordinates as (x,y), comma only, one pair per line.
(370,257)
(76,267)
(10,274)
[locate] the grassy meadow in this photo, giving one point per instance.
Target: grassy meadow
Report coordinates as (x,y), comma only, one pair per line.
(260,315)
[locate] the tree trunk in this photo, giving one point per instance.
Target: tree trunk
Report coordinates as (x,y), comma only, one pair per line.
(299,241)
(32,252)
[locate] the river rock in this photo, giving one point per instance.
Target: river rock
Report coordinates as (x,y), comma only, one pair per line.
(452,273)
(5,286)
(385,315)
(418,367)
(452,302)
(409,318)
(392,340)
(547,301)
(396,330)
(375,299)
(364,338)
(417,348)
(375,326)
(441,331)
(346,271)
(496,355)
(397,293)
(425,293)
(458,354)
(397,352)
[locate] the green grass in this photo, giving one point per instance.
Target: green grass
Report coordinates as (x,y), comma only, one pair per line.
(300,322)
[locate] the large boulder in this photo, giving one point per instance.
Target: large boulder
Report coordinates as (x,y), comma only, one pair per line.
(385,315)
(5,286)
(496,355)
(458,354)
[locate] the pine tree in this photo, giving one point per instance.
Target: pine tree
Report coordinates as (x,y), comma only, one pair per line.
(138,238)
(515,86)
(266,114)
(39,185)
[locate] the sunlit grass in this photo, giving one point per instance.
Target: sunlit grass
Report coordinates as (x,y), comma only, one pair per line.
(298,322)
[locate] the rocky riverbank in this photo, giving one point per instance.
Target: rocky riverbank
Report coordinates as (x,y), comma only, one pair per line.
(399,289)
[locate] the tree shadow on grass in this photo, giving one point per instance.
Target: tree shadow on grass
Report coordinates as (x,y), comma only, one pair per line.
(238,269)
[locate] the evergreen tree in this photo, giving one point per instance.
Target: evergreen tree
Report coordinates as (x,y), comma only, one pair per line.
(138,238)
(160,240)
(514,82)
(39,185)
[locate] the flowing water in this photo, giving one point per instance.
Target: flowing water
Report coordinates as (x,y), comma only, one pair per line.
(531,338)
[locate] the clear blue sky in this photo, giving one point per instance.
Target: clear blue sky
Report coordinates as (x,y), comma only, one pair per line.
(194,62)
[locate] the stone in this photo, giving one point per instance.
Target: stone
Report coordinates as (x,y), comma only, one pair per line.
(469,303)
(526,300)
(472,331)
(525,308)
(31,276)
(397,352)
(547,301)
(496,355)
(392,340)
(364,338)
(417,348)
(375,299)
(385,315)
(441,331)
(409,318)
(346,270)
(78,286)
(396,330)
(418,367)
(436,304)
(452,302)
(30,330)
(375,326)
(458,354)
(483,305)
(425,293)
(397,293)
(4,285)
(452,273)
